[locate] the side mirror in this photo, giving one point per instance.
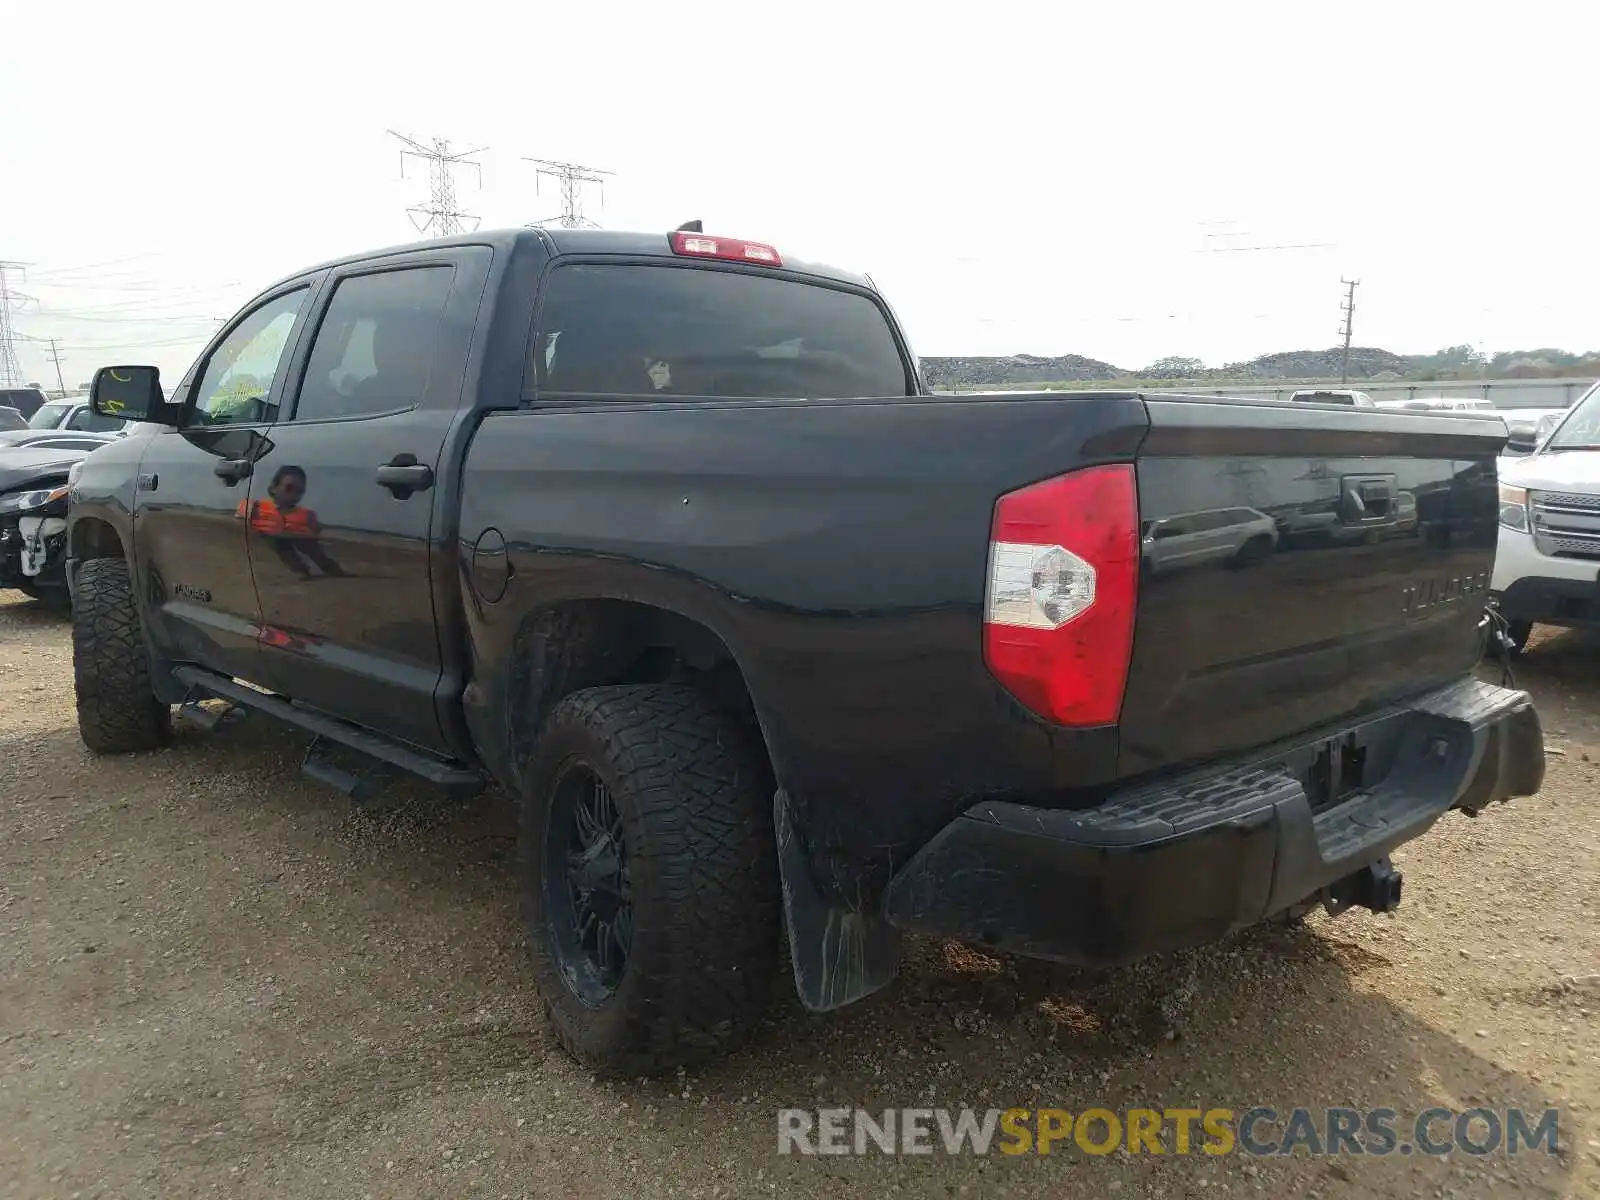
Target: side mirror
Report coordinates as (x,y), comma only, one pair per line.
(129,394)
(1546,427)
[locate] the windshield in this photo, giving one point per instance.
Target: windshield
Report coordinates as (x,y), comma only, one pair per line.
(1582,426)
(49,416)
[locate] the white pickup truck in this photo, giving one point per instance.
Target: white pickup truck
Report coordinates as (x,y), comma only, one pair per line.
(1350,396)
(1547,570)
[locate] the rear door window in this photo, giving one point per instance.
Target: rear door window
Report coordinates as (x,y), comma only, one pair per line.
(375,347)
(633,329)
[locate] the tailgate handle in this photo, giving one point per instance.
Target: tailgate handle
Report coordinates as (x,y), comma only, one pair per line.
(1368,498)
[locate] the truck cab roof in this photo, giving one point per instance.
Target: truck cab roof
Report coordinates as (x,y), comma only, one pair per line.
(584,241)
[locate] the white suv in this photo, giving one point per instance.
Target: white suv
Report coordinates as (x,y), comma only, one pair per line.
(1547,569)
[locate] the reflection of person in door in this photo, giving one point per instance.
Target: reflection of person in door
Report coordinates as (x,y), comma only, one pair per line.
(293,530)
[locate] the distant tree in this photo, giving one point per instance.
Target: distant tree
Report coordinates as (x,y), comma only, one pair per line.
(1460,356)
(1541,363)
(1451,356)
(1556,358)
(1174,366)
(1453,362)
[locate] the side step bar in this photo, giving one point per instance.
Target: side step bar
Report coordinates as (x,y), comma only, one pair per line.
(205,720)
(332,775)
(435,770)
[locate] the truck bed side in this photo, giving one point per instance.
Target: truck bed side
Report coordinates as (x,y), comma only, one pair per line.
(839,551)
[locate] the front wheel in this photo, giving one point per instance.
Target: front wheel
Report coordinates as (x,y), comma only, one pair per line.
(650,889)
(118,710)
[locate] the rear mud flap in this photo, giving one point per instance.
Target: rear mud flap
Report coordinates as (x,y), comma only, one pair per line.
(840,954)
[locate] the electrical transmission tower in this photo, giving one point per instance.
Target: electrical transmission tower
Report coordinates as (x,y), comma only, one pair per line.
(571,177)
(440,217)
(10,365)
(1349,310)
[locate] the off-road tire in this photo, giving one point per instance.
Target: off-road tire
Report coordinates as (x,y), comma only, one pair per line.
(691,788)
(117,709)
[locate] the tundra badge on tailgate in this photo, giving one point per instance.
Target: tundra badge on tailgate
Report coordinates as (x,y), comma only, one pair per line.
(1430,593)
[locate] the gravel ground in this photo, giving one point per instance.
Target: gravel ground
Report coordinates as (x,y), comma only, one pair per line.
(218,978)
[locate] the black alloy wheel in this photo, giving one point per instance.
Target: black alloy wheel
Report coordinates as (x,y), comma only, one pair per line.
(589,898)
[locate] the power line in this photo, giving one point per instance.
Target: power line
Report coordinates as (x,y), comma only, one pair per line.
(57,314)
(95,268)
(10,365)
(571,177)
(96,347)
(1349,310)
(1245,249)
(1237,232)
(165,296)
(443,218)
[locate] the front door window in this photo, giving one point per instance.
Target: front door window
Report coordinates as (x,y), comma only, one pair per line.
(236,383)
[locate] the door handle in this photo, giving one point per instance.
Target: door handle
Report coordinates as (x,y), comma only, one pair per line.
(1367,499)
(403,474)
(232,470)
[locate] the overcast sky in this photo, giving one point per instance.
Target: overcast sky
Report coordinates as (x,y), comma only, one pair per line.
(1069,178)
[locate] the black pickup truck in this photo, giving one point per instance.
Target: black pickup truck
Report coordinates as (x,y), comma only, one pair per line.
(664,534)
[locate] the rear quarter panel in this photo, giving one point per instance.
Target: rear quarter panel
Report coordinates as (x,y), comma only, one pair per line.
(838,550)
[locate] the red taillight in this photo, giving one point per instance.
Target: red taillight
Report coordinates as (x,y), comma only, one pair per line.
(704,245)
(1063,580)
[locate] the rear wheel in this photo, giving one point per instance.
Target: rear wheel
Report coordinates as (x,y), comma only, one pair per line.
(650,889)
(117,708)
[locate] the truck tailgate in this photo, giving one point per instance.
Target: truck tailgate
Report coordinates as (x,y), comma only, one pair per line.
(1298,565)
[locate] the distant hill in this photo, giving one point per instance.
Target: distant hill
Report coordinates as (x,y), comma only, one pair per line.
(1369,363)
(1365,362)
(1017,369)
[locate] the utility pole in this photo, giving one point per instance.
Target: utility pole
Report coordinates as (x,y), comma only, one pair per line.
(61,384)
(571,177)
(10,365)
(439,217)
(1349,310)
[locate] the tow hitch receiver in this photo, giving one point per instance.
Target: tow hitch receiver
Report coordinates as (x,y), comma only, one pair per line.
(1375,886)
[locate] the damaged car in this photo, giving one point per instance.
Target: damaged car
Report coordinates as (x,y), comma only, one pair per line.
(33,511)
